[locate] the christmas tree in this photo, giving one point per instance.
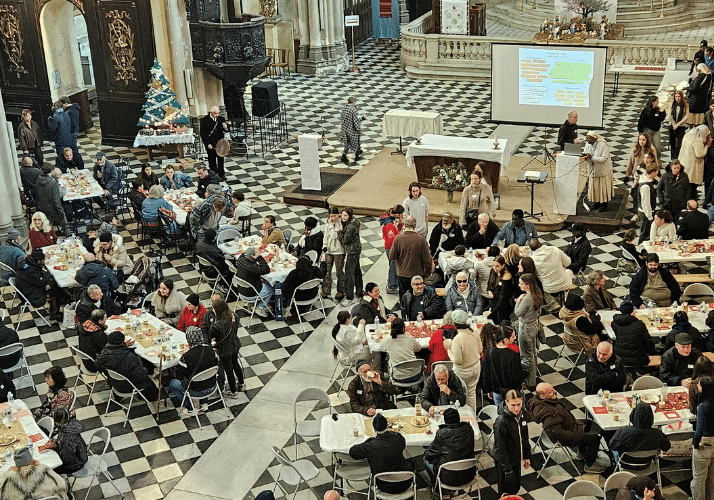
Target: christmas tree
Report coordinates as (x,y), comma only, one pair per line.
(161,108)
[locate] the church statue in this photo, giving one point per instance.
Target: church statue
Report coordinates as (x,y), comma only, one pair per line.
(268,8)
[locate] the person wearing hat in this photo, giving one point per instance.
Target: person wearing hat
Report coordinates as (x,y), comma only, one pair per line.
(93,272)
(634,344)
(601,187)
(465,351)
(107,174)
(587,330)
(192,314)
(579,249)
(511,447)
(119,357)
(49,200)
(385,453)
(518,231)
(453,441)
(654,283)
(250,267)
(36,283)
(604,370)
(445,236)
(310,240)
(213,127)
(502,369)
(698,57)
(678,362)
(11,254)
(30,479)
(369,391)
(111,252)
(198,358)
(175,180)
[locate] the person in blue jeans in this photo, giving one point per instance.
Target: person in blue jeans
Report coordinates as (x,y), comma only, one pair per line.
(199,357)
(703,453)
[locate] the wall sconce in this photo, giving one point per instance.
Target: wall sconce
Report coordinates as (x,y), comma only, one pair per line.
(497,203)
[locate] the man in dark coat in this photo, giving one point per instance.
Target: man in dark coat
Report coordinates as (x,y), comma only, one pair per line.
(11,253)
(369,392)
(640,436)
(29,173)
(445,236)
(72,109)
(604,370)
(213,127)
(205,178)
(94,273)
(568,130)
(61,126)
(69,160)
(49,198)
(9,336)
(481,232)
(250,268)
(199,358)
(579,249)
(208,250)
(420,301)
(442,388)
(693,224)
(309,240)
(119,357)
(633,343)
(93,337)
(453,441)
(36,283)
(639,286)
(93,298)
(678,362)
(511,446)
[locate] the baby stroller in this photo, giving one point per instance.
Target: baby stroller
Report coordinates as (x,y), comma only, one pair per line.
(144,279)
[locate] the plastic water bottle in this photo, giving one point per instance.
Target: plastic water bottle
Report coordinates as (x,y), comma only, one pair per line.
(376,321)
(282,248)
(8,456)
(31,447)
(11,400)
(663,394)
(10,418)
(457,404)
(600,394)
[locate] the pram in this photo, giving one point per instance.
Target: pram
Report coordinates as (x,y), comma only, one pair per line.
(145,278)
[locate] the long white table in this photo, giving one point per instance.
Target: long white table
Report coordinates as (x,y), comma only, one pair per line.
(173,197)
(65,276)
(50,458)
(606,419)
(278,272)
(338,436)
(696,318)
(80,185)
(669,255)
(460,147)
(411,123)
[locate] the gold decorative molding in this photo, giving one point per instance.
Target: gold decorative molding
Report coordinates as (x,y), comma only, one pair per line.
(12,39)
(121,46)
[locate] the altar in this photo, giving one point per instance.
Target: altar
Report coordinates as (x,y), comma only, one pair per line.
(442,149)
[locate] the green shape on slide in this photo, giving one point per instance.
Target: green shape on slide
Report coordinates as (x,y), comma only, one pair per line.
(571,72)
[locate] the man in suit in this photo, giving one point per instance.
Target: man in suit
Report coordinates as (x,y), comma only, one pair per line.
(212,128)
(693,224)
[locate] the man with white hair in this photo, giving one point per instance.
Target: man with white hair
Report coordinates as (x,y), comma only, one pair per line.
(569,130)
(481,232)
(368,391)
(442,388)
(604,370)
(412,254)
(420,303)
(213,126)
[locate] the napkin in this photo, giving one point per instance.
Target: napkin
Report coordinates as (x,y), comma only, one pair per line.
(671,414)
(36,437)
(599,410)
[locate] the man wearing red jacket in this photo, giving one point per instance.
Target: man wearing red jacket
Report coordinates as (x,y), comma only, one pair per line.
(392,225)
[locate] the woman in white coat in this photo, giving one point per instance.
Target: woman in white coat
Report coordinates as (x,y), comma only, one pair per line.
(692,154)
(601,187)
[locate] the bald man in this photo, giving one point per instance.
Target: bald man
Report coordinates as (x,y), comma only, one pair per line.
(604,370)
(331,495)
(213,127)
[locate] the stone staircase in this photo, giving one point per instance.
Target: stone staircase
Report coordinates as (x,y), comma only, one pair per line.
(638,19)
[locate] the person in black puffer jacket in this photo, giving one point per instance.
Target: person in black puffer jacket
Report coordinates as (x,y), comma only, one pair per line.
(68,442)
(225,332)
(633,343)
(36,283)
(511,445)
(709,336)
(682,325)
(453,441)
(304,271)
(639,435)
(9,336)
(119,357)
(93,272)
(199,358)
(93,337)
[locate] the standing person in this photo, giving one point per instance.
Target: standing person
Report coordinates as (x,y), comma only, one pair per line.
(699,93)
(648,200)
(61,125)
(349,237)
(411,252)
(49,199)
(703,455)
(29,135)
(695,146)
(511,446)
(392,224)
(637,157)
(351,130)
(673,189)
(500,291)
(569,130)
(465,351)
(224,331)
(502,369)
(678,117)
(334,255)
(72,109)
(527,310)
(600,183)
(476,199)
(418,206)
(213,127)
(650,122)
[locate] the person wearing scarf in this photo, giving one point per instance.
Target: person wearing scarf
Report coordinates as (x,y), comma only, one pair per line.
(587,330)
(198,358)
(600,182)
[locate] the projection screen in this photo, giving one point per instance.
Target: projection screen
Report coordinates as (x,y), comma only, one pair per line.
(539,84)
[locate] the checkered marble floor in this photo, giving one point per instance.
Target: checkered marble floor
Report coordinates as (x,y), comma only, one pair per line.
(148,458)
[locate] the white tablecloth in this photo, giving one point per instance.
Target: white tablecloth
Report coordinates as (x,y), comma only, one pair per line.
(50,458)
(156,140)
(181,214)
(74,193)
(607,422)
(673,77)
(338,436)
(460,147)
(411,123)
(695,318)
(151,354)
(65,279)
(278,272)
(670,255)
(565,198)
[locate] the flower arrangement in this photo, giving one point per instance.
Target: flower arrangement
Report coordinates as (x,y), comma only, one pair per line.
(449,177)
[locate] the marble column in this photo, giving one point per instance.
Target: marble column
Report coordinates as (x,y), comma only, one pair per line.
(10,205)
(178,50)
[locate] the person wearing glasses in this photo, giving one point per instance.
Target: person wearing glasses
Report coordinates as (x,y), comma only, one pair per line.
(420,303)
(464,295)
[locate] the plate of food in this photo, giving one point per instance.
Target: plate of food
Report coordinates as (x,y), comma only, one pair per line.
(649,398)
(7,440)
(421,421)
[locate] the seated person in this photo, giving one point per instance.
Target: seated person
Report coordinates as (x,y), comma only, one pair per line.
(30,475)
(304,271)
(639,488)
(119,357)
(400,347)
(420,303)
(633,343)
(481,232)
(155,202)
(57,393)
(310,240)
(93,337)
(560,426)
(36,283)
(453,441)
(464,295)
(436,341)
(587,330)
(192,314)
(369,392)
(147,177)
(639,435)
(693,224)
(41,234)
(596,297)
(271,233)
(678,362)
(628,244)
(9,336)
(68,160)
(93,298)
(168,302)
(240,208)
(351,342)
(442,388)
(445,236)
(579,249)
(29,173)
(111,252)
(11,254)
(206,216)
(205,178)
(385,453)
(94,273)
(207,249)
(655,283)
(663,227)
(457,263)
(107,175)
(137,193)
(682,325)
(108,225)
(604,370)
(518,231)
(250,268)
(175,180)
(90,237)
(371,307)
(199,357)
(67,441)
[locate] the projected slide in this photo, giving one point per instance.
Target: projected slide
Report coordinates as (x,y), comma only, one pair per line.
(552,77)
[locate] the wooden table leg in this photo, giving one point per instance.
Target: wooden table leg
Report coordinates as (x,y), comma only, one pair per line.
(148,153)
(180,150)
(158,400)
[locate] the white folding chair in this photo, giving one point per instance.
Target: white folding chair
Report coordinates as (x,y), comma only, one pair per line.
(200,377)
(409,368)
(308,428)
(12,350)
(628,257)
(647,382)
(117,377)
(616,481)
(84,371)
(347,369)
(582,488)
(448,364)
(288,235)
(394,477)
(294,473)
(350,470)
(634,461)
(228,234)
(147,300)
(681,450)
(25,304)
(312,255)
(254,299)
(458,466)
(307,286)
(701,291)
(74,399)
(568,331)
(12,272)
(204,278)
(491,411)
(545,443)
(96,463)
(47,424)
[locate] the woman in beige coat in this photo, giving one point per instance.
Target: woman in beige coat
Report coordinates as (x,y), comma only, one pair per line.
(478,195)
(110,250)
(695,144)
(465,351)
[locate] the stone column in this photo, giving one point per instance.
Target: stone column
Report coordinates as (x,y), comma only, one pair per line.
(10,206)
(403,12)
(321,56)
(175,26)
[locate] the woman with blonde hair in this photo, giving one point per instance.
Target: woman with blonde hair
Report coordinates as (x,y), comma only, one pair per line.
(41,232)
(678,116)
(698,94)
(512,256)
